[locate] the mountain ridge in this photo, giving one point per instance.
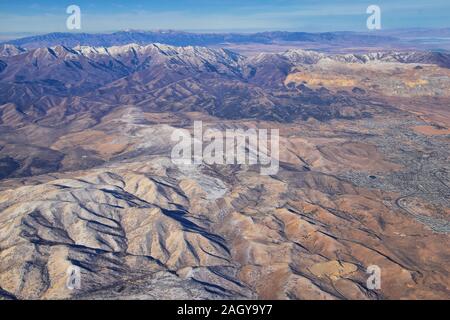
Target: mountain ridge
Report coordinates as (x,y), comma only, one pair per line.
(294,55)
(87,178)
(180,38)
(39,79)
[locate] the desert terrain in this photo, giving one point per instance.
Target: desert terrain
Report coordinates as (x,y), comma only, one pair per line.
(87,177)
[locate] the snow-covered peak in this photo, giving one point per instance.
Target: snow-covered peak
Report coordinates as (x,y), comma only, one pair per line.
(8,50)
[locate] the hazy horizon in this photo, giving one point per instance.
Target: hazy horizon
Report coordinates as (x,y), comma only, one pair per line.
(218,16)
(4,36)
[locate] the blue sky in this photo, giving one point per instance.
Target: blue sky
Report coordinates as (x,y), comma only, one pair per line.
(221,15)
